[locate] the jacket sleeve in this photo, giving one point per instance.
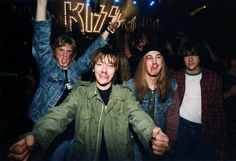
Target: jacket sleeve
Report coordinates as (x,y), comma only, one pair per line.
(218,115)
(172,119)
(56,120)
(141,122)
(84,61)
(41,47)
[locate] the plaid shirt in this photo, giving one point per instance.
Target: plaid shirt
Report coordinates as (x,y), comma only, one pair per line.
(213,118)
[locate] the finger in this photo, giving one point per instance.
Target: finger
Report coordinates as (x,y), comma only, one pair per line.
(155,132)
(159,148)
(18,148)
(30,141)
(161,136)
(119,22)
(19,143)
(158,151)
(21,156)
(27,157)
(116,17)
(117,13)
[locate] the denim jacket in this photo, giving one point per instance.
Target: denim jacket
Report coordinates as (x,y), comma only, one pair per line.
(165,113)
(51,84)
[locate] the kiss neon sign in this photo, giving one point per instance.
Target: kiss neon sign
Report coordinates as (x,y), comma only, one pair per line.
(89,22)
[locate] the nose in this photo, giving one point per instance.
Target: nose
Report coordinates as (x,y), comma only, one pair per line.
(190,58)
(65,54)
(104,69)
(154,60)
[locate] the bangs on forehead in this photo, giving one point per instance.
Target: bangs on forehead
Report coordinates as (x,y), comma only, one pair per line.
(111,58)
(191,52)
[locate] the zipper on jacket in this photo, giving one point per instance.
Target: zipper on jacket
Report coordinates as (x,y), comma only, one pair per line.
(98,134)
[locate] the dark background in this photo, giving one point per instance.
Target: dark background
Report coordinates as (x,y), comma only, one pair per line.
(18,74)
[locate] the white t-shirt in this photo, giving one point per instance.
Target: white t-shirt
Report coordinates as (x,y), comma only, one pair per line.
(190,108)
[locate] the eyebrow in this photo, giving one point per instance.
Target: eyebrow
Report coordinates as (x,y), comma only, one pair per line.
(154,55)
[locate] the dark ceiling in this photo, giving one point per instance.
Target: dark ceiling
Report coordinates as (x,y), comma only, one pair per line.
(217,22)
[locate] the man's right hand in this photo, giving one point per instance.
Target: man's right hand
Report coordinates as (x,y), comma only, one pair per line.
(21,150)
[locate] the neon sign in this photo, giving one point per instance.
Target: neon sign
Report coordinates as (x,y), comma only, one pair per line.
(81,14)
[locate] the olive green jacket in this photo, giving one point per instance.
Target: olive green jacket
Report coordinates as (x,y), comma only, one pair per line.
(85,105)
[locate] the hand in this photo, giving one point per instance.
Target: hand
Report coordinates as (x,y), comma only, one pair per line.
(21,149)
(115,22)
(160,142)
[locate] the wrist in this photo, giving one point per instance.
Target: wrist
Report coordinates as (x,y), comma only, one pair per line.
(108,30)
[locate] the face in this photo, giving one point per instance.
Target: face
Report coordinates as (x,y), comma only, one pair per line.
(64,55)
(153,62)
(142,42)
(192,63)
(104,70)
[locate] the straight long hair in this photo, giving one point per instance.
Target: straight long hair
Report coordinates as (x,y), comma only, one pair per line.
(162,83)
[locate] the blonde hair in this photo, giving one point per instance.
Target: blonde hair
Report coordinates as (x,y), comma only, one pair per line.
(162,83)
(63,40)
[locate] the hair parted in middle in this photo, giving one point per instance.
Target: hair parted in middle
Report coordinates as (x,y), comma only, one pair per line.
(163,82)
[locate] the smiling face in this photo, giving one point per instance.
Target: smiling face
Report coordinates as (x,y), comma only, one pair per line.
(153,63)
(64,55)
(104,71)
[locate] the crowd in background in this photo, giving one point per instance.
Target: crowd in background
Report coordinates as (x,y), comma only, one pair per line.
(131,49)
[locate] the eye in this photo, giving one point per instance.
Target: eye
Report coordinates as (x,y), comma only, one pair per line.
(69,51)
(60,49)
(148,57)
(98,63)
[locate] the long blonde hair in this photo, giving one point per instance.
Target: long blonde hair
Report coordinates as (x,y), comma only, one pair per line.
(162,83)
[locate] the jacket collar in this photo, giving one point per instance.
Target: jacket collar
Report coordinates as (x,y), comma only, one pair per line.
(93,92)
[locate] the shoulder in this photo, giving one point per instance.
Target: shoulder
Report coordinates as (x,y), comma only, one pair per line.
(123,91)
(212,78)
(211,74)
(129,84)
(122,87)
(82,84)
(178,74)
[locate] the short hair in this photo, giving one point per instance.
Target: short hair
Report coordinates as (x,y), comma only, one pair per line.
(103,52)
(63,40)
(193,47)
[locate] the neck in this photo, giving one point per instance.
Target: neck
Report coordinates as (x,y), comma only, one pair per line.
(195,72)
(103,87)
(151,81)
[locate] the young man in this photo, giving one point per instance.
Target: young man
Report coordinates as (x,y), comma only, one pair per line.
(103,113)
(57,68)
(155,91)
(202,122)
